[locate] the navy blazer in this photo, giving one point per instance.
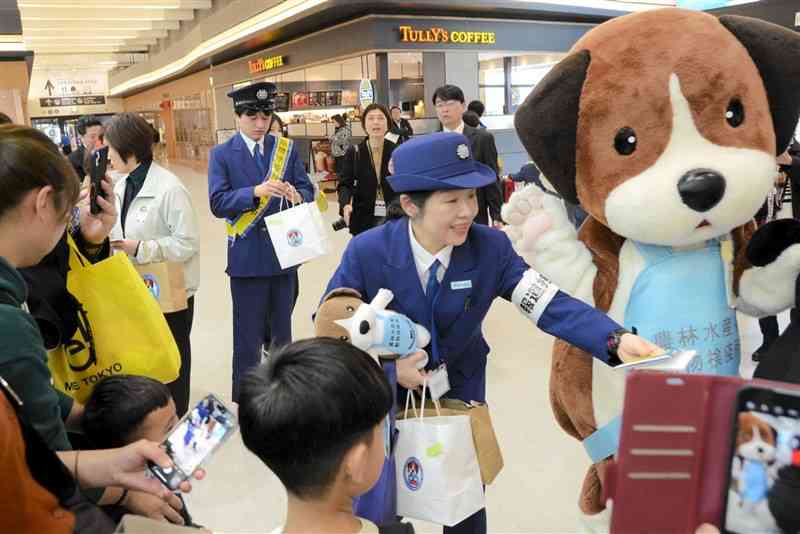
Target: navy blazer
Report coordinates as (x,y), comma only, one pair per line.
(232,177)
(382,258)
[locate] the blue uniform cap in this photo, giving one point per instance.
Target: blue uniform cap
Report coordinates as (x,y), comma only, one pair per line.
(437,162)
(258,96)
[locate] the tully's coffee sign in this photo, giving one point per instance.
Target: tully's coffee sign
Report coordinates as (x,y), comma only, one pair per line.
(57,102)
(410,34)
(266,64)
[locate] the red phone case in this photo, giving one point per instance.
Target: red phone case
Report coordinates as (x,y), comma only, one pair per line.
(673,460)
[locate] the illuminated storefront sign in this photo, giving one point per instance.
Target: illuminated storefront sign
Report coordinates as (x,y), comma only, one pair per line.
(409,34)
(366,94)
(265,64)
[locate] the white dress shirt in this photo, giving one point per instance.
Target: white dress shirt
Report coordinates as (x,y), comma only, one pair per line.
(458,129)
(251,145)
(424,259)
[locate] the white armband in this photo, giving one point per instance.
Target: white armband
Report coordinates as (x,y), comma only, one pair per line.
(533,293)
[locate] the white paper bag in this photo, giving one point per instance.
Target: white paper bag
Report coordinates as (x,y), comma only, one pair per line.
(438,477)
(298,234)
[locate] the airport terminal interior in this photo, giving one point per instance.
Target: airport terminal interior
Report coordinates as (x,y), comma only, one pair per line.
(554,89)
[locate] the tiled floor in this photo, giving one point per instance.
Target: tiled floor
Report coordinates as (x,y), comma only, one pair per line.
(536,492)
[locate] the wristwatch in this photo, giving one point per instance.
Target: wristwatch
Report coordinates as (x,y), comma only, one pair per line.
(613,342)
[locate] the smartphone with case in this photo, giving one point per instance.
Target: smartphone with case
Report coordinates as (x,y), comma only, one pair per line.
(194,440)
(764,462)
(99,166)
(672,360)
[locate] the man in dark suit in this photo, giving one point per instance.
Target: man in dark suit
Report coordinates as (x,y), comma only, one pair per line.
(449,103)
(400,126)
(89,129)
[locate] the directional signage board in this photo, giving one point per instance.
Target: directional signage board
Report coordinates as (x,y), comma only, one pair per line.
(57,102)
(50,83)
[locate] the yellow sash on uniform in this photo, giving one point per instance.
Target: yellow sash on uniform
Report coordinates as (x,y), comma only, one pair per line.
(277,169)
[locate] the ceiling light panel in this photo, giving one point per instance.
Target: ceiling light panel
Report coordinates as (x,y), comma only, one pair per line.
(269,18)
(137,4)
(127,25)
(94,14)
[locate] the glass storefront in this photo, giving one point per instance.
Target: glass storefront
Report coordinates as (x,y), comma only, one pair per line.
(492,86)
(157,122)
(525,71)
(194,129)
(309,97)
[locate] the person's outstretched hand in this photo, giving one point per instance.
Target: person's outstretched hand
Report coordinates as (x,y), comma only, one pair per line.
(633,348)
(127,467)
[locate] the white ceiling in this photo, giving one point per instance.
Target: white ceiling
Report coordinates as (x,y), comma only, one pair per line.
(98,34)
(104,35)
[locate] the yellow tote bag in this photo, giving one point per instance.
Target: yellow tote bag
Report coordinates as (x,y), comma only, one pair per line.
(121,328)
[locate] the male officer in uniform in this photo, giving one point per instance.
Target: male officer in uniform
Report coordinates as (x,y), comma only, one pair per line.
(247,178)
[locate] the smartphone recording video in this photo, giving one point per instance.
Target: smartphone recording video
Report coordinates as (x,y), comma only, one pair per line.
(99,166)
(762,494)
(201,432)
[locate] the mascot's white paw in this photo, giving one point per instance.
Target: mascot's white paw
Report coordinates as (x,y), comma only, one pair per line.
(522,205)
(543,235)
(532,216)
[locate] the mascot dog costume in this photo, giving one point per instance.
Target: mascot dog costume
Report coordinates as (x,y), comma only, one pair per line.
(665,126)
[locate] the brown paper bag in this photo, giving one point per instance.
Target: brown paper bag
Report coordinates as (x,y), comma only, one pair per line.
(490,458)
(166,283)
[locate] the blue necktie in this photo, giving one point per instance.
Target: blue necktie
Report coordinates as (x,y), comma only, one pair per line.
(431,292)
(260,163)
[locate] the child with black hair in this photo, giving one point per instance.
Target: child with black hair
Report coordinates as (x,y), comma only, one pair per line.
(314,413)
(123,409)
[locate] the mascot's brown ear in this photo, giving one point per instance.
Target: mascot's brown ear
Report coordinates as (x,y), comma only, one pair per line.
(776,52)
(547,122)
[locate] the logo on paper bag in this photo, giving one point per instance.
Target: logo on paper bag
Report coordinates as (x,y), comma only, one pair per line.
(294,237)
(412,474)
(152,284)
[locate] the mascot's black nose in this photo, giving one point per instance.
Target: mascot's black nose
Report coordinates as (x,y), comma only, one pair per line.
(363,328)
(701,189)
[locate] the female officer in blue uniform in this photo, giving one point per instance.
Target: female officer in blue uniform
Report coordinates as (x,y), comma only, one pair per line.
(247,178)
(445,272)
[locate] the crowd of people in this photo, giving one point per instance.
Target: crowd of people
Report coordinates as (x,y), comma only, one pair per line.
(423,212)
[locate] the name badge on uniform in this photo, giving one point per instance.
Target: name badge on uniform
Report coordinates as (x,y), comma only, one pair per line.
(380,208)
(461,284)
(438,382)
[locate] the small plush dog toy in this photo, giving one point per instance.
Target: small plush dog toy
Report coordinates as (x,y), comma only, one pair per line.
(370,326)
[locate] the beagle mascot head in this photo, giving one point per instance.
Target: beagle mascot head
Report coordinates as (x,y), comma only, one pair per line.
(664,125)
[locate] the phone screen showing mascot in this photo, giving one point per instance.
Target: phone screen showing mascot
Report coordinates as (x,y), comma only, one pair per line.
(766,453)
